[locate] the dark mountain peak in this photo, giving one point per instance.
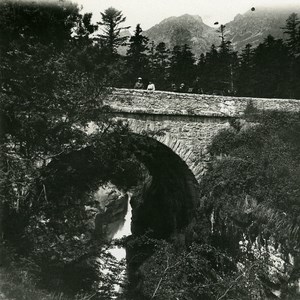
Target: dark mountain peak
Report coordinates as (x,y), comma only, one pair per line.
(185,17)
(238,17)
(196,18)
(184,29)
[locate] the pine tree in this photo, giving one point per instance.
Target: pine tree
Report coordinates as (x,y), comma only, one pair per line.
(111,39)
(137,60)
(222,32)
(182,66)
(200,82)
(245,82)
(227,65)
(271,69)
(211,69)
(292,30)
(84,29)
(151,58)
(161,66)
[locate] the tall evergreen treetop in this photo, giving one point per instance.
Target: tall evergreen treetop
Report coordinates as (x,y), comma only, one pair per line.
(182,66)
(292,29)
(137,59)
(246,78)
(111,20)
(161,53)
(138,43)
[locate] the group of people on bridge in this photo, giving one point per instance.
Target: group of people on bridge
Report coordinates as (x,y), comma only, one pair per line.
(139,85)
(193,87)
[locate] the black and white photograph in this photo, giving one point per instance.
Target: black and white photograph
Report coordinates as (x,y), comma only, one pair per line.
(149,149)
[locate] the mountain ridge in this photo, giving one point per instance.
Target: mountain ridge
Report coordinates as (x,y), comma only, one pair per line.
(250,27)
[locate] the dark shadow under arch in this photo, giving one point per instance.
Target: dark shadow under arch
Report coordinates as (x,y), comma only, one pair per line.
(169,198)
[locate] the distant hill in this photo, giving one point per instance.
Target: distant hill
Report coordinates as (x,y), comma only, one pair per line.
(254,26)
(186,29)
(251,27)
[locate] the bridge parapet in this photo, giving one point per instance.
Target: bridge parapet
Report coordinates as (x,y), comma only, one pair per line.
(170,103)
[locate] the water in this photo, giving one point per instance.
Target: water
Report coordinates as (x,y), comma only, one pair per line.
(118,252)
(125,230)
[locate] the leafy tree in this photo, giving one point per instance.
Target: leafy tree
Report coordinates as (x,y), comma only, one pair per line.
(84,29)
(247,215)
(19,21)
(48,99)
(249,196)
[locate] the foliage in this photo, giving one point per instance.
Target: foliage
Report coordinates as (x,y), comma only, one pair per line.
(244,242)
(269,70)
(161,65)
(137,60)
(111,20)
(292,29)
(49,99)
(16,282)
(53,78)
(201,271)
(182,65)
(251,191)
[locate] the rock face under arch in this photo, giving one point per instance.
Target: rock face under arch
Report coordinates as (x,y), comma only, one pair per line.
(186,123)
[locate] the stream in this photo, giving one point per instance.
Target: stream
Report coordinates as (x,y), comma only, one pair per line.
(116,229)
(124,230)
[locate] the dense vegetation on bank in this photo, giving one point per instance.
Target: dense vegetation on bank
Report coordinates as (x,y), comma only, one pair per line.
(244,242)
(54,70)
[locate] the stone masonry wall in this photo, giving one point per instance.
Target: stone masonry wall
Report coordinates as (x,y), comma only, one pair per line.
(189,121)
(169,103)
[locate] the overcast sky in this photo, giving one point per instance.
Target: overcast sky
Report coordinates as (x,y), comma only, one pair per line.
(151,12)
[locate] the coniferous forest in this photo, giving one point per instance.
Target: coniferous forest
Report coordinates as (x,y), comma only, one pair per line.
(56,67)
(269,70)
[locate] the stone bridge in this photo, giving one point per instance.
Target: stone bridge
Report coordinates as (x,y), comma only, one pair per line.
(190,121)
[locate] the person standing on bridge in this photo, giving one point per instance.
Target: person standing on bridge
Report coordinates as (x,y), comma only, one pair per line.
(139,84)
(151,86)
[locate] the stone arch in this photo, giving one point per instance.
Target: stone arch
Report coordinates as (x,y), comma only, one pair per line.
(170,197)
(177,146)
